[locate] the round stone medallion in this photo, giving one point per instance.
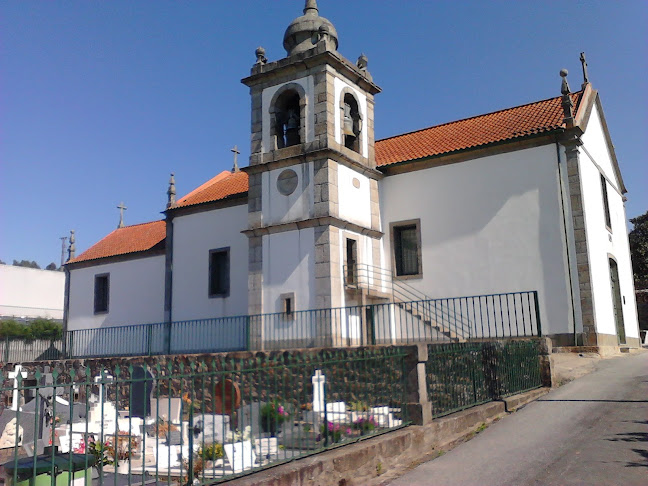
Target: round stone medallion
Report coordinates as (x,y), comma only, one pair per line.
(287,182)
(356,183)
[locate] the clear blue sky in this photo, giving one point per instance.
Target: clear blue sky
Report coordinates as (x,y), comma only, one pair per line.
(99,101)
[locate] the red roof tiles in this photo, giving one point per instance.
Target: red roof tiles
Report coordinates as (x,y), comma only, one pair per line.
(224,185)
(130,239)
(509,124)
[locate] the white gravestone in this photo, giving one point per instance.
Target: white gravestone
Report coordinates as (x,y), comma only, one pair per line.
(16,393)
(318,380)
(240,455)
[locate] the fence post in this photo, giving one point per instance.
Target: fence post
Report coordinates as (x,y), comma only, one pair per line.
(546,370)
(418,407)
(149,338)
(168,337)
(6,350)
(537,312)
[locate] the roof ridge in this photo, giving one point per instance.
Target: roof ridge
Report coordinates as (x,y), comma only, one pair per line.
(473,117)
(139,224)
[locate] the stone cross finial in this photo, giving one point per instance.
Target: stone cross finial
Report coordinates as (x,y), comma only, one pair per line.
(584,64)
(121,208)
(235,168)
(171,192)
(311,7)
(567,103)
(72,247)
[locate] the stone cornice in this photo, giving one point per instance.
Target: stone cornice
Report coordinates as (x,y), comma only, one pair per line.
(230,201)
(312,223)
(276,160)
(157,250)
(307,60)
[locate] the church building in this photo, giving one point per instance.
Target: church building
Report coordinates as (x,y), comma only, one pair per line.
(528,198)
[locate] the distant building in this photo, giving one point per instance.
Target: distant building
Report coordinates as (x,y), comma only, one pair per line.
(526,198)
(28,293)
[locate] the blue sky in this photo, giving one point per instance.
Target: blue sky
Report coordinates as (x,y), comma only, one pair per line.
(100,101)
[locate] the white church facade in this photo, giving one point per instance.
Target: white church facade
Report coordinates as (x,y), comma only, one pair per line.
(526,199)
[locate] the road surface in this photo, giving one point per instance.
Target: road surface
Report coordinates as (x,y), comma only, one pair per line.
(592,431)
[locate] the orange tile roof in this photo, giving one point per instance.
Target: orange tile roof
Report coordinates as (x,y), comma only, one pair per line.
(224,185)
(509,124)
(129,239)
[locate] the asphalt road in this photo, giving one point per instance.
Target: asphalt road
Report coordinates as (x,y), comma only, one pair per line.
(591,431)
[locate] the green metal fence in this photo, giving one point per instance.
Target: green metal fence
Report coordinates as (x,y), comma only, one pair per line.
(462,375)
(493,316)
(201,421)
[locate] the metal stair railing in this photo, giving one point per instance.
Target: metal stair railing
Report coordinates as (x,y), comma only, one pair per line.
(440,314)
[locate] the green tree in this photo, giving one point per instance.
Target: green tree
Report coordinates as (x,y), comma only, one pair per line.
(12,329)
(51,266)
(44,329)
(639,250)
(26,263)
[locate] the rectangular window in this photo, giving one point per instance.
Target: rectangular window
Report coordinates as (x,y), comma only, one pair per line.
(406,243)
(219,272)
(101,293)
(288,304)
(606,203)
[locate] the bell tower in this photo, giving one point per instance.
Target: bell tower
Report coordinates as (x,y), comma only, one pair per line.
(313,187)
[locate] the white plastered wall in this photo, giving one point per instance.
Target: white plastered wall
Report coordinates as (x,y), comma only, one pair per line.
(339,85)
(278,208)
(194,235)
(354,202)
(488,225)
(266,97)
(289,266)
(595,159)
(136,294)
(30,292)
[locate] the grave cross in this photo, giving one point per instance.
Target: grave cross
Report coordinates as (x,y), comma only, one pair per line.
(318,380)
(236,153)
(15,375)
(100,379)
(121,208)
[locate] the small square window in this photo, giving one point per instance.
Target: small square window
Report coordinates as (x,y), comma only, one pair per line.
(219,272)
(101,293)
(406,247)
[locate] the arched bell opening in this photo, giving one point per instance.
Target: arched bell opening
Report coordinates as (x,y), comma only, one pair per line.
(287,118)
(351,122)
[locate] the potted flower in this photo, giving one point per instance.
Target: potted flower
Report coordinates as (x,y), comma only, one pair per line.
(119,450)
(273,414)
(365,424)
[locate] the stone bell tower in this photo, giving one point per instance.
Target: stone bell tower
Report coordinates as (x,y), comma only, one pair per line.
(313,186)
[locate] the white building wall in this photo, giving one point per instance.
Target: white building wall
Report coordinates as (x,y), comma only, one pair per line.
(266,97)
(277,208)
(354,202)
(193,236)
(488,225)
(136,294)
(30,293)
(289,266)
(602,243)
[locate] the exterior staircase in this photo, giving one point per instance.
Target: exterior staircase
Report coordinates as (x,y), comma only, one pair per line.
(378,283)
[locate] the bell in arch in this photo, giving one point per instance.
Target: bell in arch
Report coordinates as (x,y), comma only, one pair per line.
(292,128)
(347,127)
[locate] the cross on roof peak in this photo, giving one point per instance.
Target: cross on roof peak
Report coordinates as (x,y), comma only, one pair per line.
(235,168)
(121,208)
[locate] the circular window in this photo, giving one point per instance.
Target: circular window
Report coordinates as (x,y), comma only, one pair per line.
(356,183)
(287,182)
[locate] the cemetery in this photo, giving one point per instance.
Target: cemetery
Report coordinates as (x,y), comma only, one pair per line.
(192,418)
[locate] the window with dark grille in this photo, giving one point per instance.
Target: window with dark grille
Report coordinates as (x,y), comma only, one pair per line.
(219,271)
(101,292)
(407,249)
(606,203)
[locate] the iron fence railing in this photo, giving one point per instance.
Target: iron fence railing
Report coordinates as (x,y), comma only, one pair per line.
(22,350)
(457,319)
(462,375)
(197,423)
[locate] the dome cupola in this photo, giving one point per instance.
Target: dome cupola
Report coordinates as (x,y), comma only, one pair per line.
(304,32)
